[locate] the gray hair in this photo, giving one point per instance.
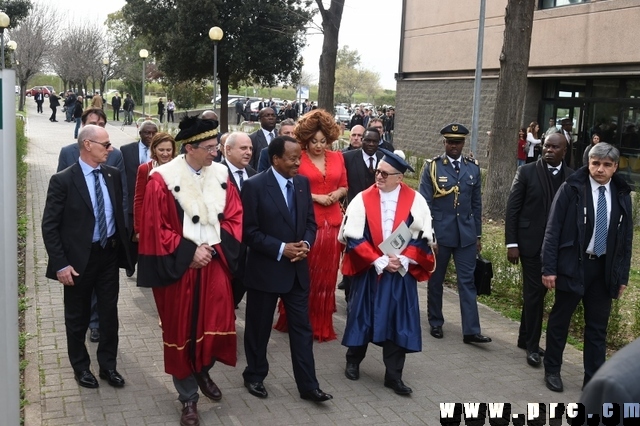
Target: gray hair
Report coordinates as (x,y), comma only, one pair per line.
(87,132)
(148,123)
(604,150)
(231,139)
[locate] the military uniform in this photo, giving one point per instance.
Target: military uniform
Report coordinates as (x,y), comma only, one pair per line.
(452,188)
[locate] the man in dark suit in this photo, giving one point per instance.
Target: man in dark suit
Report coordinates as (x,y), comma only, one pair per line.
(39,98)
(68,156)
(566,131)
(451,185)
(279,229)
(134,154)
(361,166)
(85,237)
(237,156)
(286,129)
(116,103)
(532,192)
(262,137)
(239,111)
(586,256)
(378,124)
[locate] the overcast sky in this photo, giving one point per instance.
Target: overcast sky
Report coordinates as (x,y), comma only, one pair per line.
(370,26)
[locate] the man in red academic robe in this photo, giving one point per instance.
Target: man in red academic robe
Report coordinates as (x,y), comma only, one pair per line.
(383,306)
(189,241)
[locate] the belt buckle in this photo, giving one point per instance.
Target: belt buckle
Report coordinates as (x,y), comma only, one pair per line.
(591,256)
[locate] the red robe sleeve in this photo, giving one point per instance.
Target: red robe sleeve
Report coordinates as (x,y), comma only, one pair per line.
(141,183)
(163,254)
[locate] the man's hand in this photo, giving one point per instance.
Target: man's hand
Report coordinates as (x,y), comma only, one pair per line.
(295,251)
(513,255)
(202,256)
(549,281)
(621,290)
(434,249)
(479,245)
(394,264)
(66,275)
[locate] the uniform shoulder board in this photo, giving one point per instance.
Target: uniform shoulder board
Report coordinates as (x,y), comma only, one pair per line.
(433,159)
(471,160)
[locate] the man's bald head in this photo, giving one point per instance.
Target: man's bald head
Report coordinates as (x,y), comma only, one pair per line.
(209,115)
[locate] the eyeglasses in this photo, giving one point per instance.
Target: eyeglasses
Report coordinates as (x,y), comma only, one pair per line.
(210,149)
(105,145)
(385,174)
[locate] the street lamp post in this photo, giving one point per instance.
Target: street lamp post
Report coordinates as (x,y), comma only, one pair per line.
(12,46)
(105,62)
(143,54)
(4,23)
(215,34)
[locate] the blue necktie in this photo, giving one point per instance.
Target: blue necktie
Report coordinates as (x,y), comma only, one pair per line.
(102,218)
(241,180)
(600,240)
(291,202)
(456,166)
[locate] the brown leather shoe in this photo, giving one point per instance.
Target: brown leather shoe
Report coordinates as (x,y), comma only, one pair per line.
(189,414)
(208,387)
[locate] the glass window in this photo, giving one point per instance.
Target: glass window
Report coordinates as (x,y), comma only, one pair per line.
(572,88)
(605,88)
(632,89)
(548,4)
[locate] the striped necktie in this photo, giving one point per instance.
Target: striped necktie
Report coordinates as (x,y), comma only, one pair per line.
(600,240)
(102,218)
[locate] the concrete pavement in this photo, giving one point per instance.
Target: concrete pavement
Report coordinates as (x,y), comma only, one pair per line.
(446,371)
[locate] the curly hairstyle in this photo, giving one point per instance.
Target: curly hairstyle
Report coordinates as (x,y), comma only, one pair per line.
(158,138)
(309,124)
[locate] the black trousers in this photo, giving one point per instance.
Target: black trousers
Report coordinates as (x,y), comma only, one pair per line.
(53,113)
(392,355)
(533,293)
(116,114)
(169,115)
(39,106)
(259,319)
(597,308)
(101,276)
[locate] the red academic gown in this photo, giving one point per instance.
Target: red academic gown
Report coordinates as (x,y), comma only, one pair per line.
(164,265)
(384,307)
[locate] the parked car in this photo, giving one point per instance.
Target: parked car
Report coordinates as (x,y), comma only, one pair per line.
(342,115)
(34,90)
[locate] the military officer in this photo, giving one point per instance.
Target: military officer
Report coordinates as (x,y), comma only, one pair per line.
(451,185)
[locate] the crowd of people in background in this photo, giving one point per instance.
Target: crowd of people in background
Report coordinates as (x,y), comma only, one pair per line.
(272,216)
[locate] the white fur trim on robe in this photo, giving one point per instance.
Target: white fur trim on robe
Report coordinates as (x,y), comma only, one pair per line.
(355,219)
(187,188)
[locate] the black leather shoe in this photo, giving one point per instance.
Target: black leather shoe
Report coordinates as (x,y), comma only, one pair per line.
(475,338)
(86,379)
(341,285)
(208,387)
(316,395)
(524,346)
(257,389)
(553,381)
(130,272)
(94,336)
(189,414)
(436,331)
(533,359)
(113,377)
(398,386)
(352,372)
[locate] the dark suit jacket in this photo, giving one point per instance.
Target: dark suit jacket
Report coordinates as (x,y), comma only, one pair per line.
(356,178)
(258,141)
(131,158)
(69,155)
(528,207)
(268,224)
(263,161)
(68,221)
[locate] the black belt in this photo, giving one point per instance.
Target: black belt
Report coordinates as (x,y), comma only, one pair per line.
(592,256)
(112,242)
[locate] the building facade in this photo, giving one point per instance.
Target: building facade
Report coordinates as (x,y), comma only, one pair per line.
(584,65)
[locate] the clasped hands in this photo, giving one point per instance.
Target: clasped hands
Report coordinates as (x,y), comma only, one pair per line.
(203,255)
(296,251)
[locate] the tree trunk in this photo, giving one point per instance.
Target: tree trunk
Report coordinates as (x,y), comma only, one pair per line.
(23,90)
(331,19)
(224,108)
(507,118)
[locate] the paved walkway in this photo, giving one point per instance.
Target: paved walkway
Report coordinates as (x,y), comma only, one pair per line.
(446,371)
